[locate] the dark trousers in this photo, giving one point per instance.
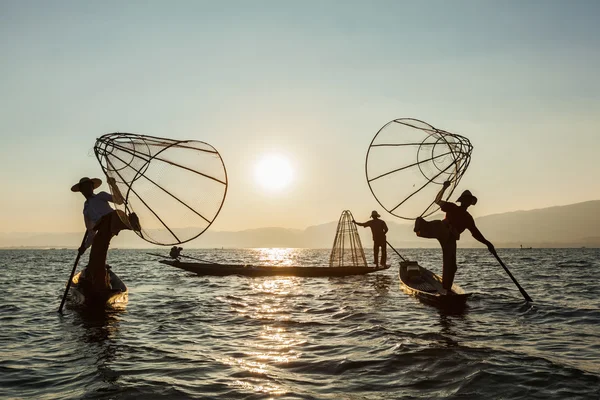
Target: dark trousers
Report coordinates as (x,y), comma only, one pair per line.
(380,244)
(441,231)
(96,274)
(449,257)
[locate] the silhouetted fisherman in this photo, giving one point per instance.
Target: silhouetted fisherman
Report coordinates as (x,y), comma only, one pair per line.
(102,223)
(378,229)
(175,252)
(448,231)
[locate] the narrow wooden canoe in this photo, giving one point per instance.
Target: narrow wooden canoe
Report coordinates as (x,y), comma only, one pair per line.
(427,287)
(268,270)
(117,297)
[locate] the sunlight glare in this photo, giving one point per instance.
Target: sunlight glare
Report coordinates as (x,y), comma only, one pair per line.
(274,172)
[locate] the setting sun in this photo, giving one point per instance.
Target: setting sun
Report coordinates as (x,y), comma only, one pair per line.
(274,172)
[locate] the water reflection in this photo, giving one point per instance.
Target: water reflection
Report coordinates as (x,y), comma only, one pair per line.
(273,302)
(96,332)
(277,256)
(99,325)
(381,283)
(275,285)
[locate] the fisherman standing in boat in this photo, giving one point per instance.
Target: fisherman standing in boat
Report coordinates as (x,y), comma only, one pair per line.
(102,223)
(448,231)
(378,229)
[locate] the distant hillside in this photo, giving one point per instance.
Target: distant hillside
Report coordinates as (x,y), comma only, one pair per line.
(573,225)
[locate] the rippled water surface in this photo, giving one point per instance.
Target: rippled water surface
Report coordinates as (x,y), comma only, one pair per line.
(184,336)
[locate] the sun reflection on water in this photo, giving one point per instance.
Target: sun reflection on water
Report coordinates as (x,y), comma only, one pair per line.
(262,387)
(277,256)
(276,285)
(272,302)
(278,345)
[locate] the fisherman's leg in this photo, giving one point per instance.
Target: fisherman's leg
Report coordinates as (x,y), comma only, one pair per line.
(449,254)
(96,270)
(376,252)
(383,253)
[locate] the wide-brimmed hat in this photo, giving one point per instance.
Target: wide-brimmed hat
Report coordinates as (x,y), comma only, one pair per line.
(467,196)
(375,214)
(76,187)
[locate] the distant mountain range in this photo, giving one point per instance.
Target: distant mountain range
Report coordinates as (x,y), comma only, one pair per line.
(574,225)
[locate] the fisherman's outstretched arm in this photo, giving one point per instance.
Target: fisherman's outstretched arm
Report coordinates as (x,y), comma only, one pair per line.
(438,199)
(360,223)
(479,237)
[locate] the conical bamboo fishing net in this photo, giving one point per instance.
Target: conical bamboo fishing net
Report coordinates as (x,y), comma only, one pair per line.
(347,249)
(407,163)
(176,187)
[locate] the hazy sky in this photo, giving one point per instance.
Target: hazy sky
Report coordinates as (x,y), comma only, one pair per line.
(310,81)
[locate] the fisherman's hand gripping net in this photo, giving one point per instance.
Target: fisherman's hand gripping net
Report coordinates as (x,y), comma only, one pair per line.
(176,188)
(407,163)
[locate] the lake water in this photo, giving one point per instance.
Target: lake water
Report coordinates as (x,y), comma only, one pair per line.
(183,336)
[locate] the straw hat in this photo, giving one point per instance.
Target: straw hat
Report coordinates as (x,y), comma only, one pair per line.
(467,196)
(76,187)
(375,214)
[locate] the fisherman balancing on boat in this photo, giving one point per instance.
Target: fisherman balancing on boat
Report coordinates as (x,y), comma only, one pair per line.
(102,223)
(448,231)
(378,229)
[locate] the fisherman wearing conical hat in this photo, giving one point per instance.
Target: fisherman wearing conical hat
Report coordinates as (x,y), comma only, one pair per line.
(378,229)
(448,231)
(102,223)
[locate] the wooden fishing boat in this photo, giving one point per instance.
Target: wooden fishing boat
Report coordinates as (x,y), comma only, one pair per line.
(427,287)
(117,297)
(214,269)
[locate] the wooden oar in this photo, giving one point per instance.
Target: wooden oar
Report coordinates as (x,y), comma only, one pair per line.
(181,255)
(523,292)
(158,255)
(199,259)
(79,253)
(399,255)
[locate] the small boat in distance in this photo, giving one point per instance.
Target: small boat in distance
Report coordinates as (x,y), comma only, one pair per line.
(347,258)
(427,287)
(117,297)
(215,269)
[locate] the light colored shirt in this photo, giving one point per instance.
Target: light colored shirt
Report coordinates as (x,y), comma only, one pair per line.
(94,209)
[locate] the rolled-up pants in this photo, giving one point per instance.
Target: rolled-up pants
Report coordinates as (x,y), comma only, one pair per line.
(441,231)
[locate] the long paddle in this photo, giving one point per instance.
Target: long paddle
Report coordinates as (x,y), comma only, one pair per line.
(79,253)
(523,292)
(181,255)
(399,255)
(198,259)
